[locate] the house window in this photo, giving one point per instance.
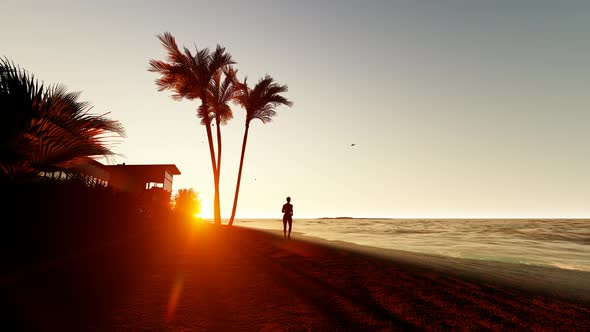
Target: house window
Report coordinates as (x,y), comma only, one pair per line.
(151,185)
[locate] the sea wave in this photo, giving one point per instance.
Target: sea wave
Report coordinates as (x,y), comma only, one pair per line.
(559,243)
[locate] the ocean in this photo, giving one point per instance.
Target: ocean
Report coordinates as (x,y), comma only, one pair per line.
(561,243)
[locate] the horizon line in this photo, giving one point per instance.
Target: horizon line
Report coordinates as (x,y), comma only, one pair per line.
(410,217)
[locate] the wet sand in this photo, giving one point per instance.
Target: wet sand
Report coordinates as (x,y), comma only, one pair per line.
(207,278)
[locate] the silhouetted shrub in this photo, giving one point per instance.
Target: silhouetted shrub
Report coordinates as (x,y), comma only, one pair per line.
(187,203)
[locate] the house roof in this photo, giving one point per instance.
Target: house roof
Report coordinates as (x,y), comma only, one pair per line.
(148,168)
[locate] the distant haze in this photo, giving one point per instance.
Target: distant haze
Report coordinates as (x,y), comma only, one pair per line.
(456,108)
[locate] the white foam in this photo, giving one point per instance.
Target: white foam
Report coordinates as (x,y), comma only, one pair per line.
(571,267)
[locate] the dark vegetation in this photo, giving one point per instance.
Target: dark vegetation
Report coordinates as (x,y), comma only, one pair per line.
(45,220)
(47,131)
(71,252)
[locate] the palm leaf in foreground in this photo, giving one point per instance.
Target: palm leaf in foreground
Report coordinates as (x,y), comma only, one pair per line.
(46,128)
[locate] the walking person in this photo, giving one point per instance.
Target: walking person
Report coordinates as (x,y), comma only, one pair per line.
(287,217)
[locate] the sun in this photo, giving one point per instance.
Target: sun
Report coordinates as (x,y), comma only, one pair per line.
(206,210)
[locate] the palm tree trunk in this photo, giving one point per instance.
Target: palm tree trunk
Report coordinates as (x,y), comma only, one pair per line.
(217,202)
(233,211)
(213,164)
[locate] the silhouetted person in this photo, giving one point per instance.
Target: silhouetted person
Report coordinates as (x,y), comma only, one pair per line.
(287,217)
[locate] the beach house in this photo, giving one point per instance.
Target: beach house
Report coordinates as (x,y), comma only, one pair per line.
(131,178)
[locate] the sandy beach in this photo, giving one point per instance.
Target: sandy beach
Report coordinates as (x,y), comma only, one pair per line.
(207,278)
(430,156)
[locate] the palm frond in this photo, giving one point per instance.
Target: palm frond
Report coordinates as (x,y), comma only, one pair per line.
(20,96)
(57,131)
(204,113)
(219,59)
(179,71)
(242,93)
(169,43)
(220,92)
(261,101)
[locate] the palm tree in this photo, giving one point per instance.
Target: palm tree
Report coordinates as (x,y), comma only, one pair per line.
(189,77)
(259,103)
(47,129)
(221,92)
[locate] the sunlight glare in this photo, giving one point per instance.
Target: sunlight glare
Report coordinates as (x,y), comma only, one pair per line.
(206,209)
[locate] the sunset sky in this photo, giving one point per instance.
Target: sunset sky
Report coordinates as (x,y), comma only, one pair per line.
(457,108)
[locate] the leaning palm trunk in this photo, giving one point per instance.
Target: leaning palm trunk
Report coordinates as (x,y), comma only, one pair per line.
(260,103)
(233,211)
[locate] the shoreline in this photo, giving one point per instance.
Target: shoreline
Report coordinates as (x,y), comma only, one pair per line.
(541,253)
(568,284)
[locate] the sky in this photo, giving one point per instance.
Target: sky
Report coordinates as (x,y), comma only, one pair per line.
(457,109)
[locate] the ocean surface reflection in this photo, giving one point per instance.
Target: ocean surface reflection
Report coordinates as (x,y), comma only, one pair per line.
(562,243)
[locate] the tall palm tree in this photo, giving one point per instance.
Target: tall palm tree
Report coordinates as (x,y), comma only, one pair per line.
(46,128)
(188,75)
(221,91)
(260,103)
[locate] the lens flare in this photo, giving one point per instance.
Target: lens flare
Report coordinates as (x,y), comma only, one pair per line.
(174,297)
